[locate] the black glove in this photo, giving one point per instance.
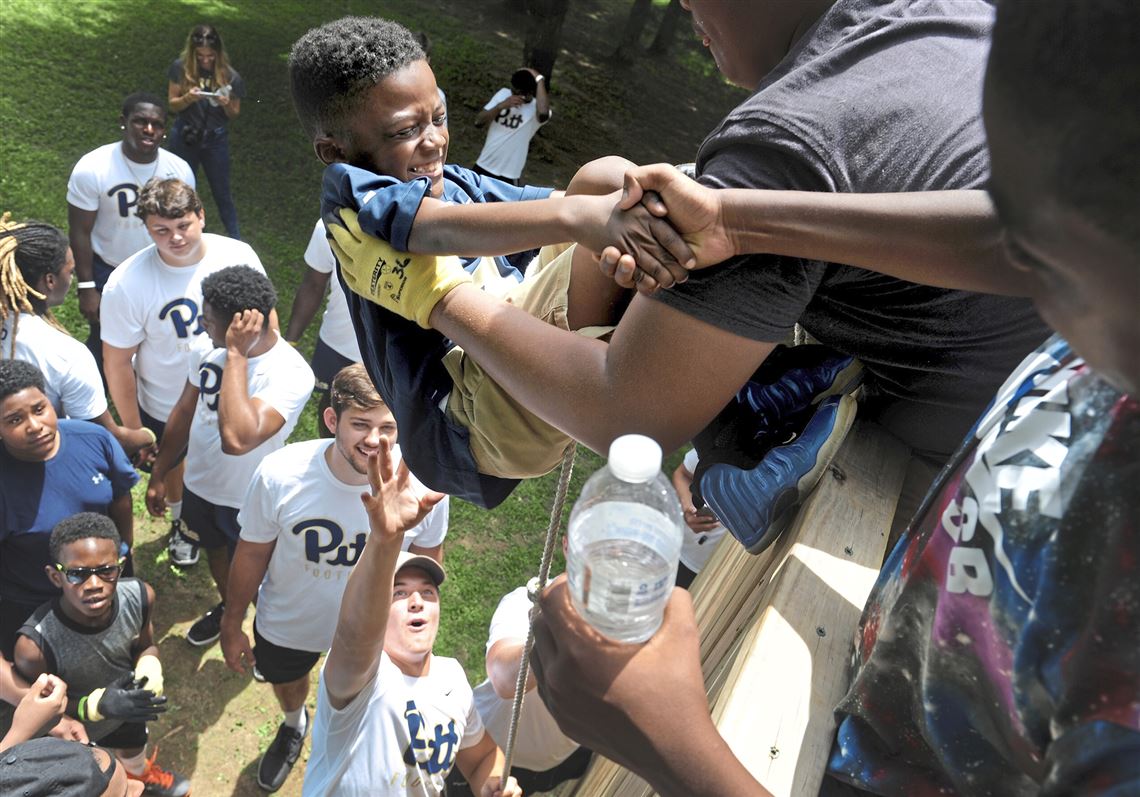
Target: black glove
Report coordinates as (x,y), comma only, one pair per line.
(123,699)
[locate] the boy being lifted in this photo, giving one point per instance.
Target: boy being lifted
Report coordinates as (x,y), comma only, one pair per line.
(368,98)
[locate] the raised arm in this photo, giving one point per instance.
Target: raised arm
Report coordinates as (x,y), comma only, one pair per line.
(244,422)
(393,508)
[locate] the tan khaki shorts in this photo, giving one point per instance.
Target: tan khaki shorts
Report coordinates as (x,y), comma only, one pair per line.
(507,439)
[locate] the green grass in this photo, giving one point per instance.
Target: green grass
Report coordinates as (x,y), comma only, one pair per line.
(66,68)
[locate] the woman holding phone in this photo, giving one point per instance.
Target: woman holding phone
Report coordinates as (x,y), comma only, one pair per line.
(205,92)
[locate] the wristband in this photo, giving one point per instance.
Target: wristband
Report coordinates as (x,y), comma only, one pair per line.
(151,434)
(85,285)
(539,78)
(294,343)
(89,706)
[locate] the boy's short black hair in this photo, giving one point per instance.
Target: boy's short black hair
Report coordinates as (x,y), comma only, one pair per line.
(1067,69)
(83,526)
(331,67)
(17,375)
(523,82)
(236,288)
(133,101)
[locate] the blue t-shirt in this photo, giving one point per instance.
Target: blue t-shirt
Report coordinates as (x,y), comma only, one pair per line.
(87,473)
(404,360)
(999,652)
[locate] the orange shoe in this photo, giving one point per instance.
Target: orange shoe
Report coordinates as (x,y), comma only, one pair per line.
(160,781)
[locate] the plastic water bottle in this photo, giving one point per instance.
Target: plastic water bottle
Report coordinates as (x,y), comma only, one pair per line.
(624,542)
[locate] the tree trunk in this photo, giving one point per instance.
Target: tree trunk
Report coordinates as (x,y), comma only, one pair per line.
(666,34)
(629,44)
(544,20)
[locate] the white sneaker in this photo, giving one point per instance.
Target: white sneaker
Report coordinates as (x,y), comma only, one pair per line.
(183,550)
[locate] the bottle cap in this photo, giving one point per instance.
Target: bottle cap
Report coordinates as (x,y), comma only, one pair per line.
(635,458)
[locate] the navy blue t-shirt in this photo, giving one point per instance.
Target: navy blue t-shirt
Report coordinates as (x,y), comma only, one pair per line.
(404,360)
(87,473)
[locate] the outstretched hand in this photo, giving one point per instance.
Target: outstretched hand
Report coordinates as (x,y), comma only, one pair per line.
(394,506)
(40,709)
(693,210)
(606,694)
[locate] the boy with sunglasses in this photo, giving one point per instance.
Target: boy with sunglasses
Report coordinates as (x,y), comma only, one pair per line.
(98,637)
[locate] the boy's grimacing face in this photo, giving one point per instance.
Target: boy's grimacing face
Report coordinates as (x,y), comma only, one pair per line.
(400,128)
(1084,281)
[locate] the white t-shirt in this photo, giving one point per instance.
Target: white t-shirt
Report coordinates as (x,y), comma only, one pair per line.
(336,325)
(104,180)
(697,548)
(281,378)
(508,137)
(539,744)
(359,751)
(71,377)
(159,309)
(320,527)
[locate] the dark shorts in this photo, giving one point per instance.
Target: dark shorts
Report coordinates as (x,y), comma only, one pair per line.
(216,526)
(158,427)
(480,170)
(326,363)
(127,736)
(280,665)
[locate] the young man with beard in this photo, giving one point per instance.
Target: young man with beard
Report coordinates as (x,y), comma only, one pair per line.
(303,529)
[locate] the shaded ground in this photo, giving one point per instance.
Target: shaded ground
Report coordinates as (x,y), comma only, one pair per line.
(66,68)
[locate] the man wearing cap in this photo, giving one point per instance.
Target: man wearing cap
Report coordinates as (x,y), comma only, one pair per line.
(392,718)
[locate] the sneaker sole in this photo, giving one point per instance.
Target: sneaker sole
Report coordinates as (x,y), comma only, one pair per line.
(184,562)
(203,642)
(787,502)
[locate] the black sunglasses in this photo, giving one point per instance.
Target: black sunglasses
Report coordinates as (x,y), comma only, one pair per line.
(205,38)
(79,575)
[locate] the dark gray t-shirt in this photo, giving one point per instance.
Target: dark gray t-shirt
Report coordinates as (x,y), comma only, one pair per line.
(875,97)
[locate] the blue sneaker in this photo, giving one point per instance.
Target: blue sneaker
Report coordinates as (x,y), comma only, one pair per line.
(756,504)
(774,405)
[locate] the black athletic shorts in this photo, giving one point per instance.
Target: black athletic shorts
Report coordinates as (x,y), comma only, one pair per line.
(215,526)
(127,736)
(280,665)
(326,363)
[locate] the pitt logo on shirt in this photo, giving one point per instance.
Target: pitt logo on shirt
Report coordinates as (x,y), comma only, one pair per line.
(324,543)
(183,312)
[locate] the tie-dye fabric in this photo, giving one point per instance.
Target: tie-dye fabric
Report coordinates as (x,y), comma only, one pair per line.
(999,653)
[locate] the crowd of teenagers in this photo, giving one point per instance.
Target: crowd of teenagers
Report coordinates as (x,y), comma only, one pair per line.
(937,191)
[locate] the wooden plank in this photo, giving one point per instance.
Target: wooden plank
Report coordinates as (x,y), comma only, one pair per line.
(777,629)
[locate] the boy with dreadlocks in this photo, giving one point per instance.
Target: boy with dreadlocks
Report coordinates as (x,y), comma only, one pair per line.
(36,267)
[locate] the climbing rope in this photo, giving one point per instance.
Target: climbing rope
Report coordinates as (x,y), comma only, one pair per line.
(534,589)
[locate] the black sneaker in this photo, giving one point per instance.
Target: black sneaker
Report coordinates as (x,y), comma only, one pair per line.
(207,628)
(183,550)
(282,754)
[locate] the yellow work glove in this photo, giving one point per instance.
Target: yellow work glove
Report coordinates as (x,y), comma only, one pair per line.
(408,285)
(150,667)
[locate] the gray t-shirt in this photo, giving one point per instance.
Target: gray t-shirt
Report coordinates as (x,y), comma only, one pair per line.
(875,97)
(89,658)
